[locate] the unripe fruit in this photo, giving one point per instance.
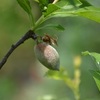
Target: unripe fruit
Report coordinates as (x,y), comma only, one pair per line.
(47,55)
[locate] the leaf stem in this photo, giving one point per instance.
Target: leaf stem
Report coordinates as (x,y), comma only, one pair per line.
(32,20)
(39,21)
(55,1)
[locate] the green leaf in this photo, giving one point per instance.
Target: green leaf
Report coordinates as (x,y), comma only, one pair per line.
(84,3)
(90,13)
(44,2)
(63,13)
(67,10)
(96,76)
(58,27)
(51,8)
(25,4)
(66,3)
(93,54)
(62,3)
(96,56)
(57,75)
(72,2)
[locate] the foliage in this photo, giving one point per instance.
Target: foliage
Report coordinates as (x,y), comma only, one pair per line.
(62,8)
(96,74)
(25,4)
(65,8)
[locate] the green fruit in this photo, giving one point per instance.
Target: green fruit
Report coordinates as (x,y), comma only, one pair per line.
(47,55)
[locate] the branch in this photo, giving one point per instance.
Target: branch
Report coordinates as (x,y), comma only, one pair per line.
(29,34)
(55,1)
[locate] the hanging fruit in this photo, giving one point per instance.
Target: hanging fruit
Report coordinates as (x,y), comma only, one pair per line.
(47,54)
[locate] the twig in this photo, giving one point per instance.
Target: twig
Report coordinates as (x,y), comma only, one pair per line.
(29,34)
(55,1)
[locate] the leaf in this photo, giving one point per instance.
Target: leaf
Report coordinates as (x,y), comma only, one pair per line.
(96,56)
(62,3)
(65,10)
(66,3)
(44,2)
(96,76)
(25,4)
(63,13)
(84,3)
(72,2)
(93,54)
(58,27)
(57,75)
(51,8)
(90,13)
(87,12)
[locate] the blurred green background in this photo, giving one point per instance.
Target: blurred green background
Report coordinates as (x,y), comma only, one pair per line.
(22,77)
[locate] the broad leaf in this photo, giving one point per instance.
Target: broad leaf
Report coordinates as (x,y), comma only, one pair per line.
(90,13)
(25,4)
(58,27)
(62,3)
(51,8)
(44,2)
(64,9)
(72,2)
(84,4)
(63,13)
(93,54)
(68,10)
(96,76)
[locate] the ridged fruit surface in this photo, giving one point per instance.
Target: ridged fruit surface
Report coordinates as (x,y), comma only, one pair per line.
(47,55)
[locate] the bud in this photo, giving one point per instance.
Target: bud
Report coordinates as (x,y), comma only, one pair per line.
(47,55)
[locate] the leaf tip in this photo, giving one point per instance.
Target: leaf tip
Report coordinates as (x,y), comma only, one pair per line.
(85,53)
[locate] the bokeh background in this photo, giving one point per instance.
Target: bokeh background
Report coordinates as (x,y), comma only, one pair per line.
(22,77)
